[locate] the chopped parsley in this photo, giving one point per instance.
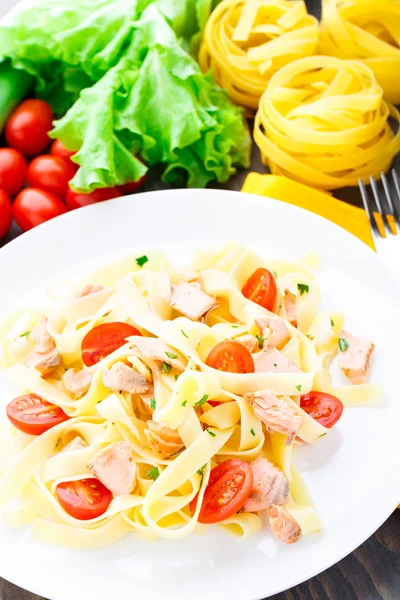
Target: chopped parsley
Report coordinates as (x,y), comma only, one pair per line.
(322,434)
(332,323)
(310,337)
(275,364)
(153,403)
(170,355)
(142,260)
(252,432)
(343,344)
(261,341)
(211,433)
(275,274)
(298,387)
(166,368)
(25,334)
(184,403)
(183,333)
(202,400)
(201,470)
(235,326)
(176,377)
(154,473)
(303,288)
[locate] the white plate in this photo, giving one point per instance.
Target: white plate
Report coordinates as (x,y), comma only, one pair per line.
(352,473)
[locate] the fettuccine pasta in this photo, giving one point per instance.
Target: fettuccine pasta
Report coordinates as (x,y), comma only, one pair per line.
(323,122)
(366,30)
(246,41)
(163,399)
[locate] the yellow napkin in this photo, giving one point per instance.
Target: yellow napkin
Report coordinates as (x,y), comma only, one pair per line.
(282,188)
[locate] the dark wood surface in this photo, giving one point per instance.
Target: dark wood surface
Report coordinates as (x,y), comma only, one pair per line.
(372,572)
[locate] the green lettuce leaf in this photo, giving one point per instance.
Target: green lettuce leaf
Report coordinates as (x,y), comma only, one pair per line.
(157,102)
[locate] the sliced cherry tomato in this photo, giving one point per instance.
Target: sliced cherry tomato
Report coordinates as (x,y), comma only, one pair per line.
(77,200)
(28,127)
(13,168)
(5,213)
(51,173)
(228,488)
(104,339)
(32,207)
(34,415)
(231,357)
(213,403)
(84,499)
(58,149)
(324,408)
(261,288)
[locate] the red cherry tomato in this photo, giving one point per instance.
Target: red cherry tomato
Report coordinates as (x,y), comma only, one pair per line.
(13,168)
(104,339)
(228,488)
(50,173)
(28,127)
(231,357)
(84,499)
(58,149)
(324,408)
(34,415)
(77,200)
(261,288)
(5,213)
(33,207)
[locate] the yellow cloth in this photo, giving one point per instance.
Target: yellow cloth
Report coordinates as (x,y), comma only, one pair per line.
(282,188)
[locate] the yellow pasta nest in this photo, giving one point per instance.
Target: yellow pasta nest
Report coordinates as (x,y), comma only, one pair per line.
(322,121)
(246,41)
(368,30)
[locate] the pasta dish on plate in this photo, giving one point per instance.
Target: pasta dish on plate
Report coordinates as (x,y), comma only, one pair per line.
(166,399)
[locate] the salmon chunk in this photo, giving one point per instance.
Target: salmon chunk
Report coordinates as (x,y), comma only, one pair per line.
(355,359)
(77,443)
(164,442)
(270,486)
(190,300)
(121,378)
(77,382)
(88,289)
(289,302)
(115,467)
(284,527)
(157,351)
(274,330)
(248,341)
(45,357)
(276,414)
(271,360)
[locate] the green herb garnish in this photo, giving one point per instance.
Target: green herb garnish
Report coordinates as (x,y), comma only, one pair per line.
(322,434)
(183,333)
(252,432)
(142,260)
(261,341)
(275,274)
(154,473)
(298,387)
(184,403)
(211,433)
(332,323)
(235,326)
(201,470)
(202,401)
(176,377)
(170,355)
(166,368)
(343,344)
(303,288)
(25,334)
(153,403)
(310,337)
(275,364)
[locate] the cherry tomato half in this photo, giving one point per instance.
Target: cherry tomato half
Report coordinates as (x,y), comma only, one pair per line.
(228,488)
(324,408)
(104,339)
(13,168)
(77,200)
(5,213)
(58,149)
(231,357)
(51,173)
(28,127)
(261,288)
(84,499)
(33,207)
(34,415)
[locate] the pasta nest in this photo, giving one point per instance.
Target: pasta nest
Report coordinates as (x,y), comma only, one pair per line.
(247,41)
(368,30)
(323,121)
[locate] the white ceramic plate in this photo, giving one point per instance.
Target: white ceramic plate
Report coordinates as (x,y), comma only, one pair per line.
(352,473)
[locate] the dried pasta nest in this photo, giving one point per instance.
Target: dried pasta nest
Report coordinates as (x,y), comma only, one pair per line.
(323,121)
(368,30)
(247,41)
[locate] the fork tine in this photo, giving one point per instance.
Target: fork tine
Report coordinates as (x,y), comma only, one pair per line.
(396,183)
(392,208)
(369,210)
(375,192)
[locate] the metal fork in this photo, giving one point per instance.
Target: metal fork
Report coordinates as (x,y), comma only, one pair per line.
(383,219)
